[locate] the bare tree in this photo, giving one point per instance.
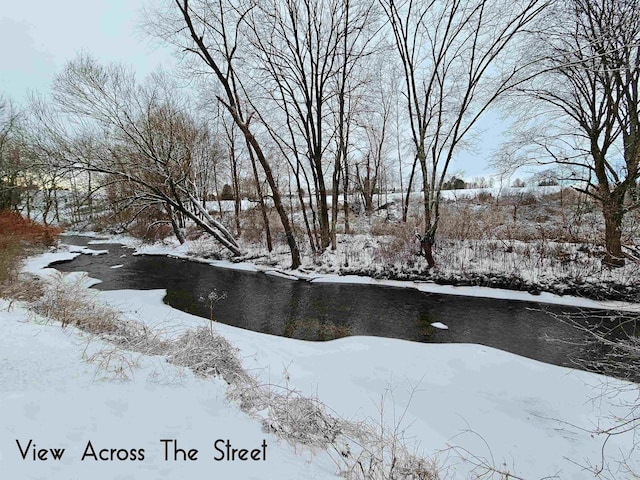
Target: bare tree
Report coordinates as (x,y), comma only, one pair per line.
(208,32)
(358,40)
(140,136)
(306,53)
(373,121)
(589,118)
(456,63)
(10,154)
(234,164)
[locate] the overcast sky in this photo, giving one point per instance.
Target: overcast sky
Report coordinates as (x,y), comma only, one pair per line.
(40,36)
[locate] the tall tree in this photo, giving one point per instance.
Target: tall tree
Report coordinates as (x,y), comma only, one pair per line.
(456,63)
(306,51)
(589,118)
(208,32)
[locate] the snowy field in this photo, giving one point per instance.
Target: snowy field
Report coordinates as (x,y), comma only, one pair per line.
(464,404)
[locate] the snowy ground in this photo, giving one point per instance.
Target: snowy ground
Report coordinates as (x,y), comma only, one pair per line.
(498,406)
(538,239)
(51,396)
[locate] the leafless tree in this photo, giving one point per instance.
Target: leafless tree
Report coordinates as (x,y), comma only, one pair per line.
(234,164)
(306,53)
(138,136)
(207,32)
(589,119)
(10,154)
(373,121)
(456,63)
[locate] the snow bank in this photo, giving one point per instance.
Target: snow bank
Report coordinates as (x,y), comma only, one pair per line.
(51,397)
(484,292)
(454,394)
(520,412)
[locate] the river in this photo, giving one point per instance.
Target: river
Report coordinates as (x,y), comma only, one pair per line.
(324,311)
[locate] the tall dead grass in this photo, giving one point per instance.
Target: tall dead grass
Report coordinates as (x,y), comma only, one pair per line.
(18,236)
(361,450)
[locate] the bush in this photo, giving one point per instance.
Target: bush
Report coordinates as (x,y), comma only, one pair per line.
(227,193)
(71,304)
(402,248)
(151,225)
(15,228)
(17,234)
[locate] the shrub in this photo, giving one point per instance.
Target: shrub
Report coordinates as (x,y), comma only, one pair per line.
(402,248)
(71,304)
(151,225)
(227,193)
(15,228)
(17,234)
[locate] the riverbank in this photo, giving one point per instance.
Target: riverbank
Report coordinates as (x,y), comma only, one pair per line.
(471,406)
(607,294)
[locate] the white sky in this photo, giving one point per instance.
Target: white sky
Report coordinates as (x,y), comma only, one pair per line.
(39,37)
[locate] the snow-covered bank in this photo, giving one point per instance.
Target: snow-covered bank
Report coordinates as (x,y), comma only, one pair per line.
(182,251)
(50,396)
(528,413)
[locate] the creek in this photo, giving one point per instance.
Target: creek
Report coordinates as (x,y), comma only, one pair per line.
(325,311)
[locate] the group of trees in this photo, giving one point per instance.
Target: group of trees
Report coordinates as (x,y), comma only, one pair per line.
(313,100)
(9,167)
(582,105)
(297,79)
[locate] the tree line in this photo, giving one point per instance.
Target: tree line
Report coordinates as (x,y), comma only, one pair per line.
(312,100)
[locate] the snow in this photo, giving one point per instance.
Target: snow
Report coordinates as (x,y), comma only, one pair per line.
(279,274)
(536,190)
(243,266)
(38,265)
(533,417)
(48,394)
(483,292)
(522,408)
(439,325)
(87,251)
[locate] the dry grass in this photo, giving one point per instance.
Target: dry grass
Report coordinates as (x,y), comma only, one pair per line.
(19,236)
(361,450)
(69,303)
(400,248)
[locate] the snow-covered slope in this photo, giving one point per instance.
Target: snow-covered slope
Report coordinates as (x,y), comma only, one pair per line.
(515,413)
(51,397)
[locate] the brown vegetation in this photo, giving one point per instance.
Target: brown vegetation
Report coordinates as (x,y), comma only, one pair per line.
(17,236)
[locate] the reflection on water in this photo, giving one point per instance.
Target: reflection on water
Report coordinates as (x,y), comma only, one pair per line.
(324,311)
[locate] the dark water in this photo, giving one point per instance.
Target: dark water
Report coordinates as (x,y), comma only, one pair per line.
(302,310)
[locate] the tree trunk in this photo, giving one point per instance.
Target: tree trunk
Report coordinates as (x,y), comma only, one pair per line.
(345,196)
(277,200)
(428,253)
(237,205)
(405,206)
(263,207)
(613,212)
(325,237)
(335,192)
(426,247)
(176,230)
